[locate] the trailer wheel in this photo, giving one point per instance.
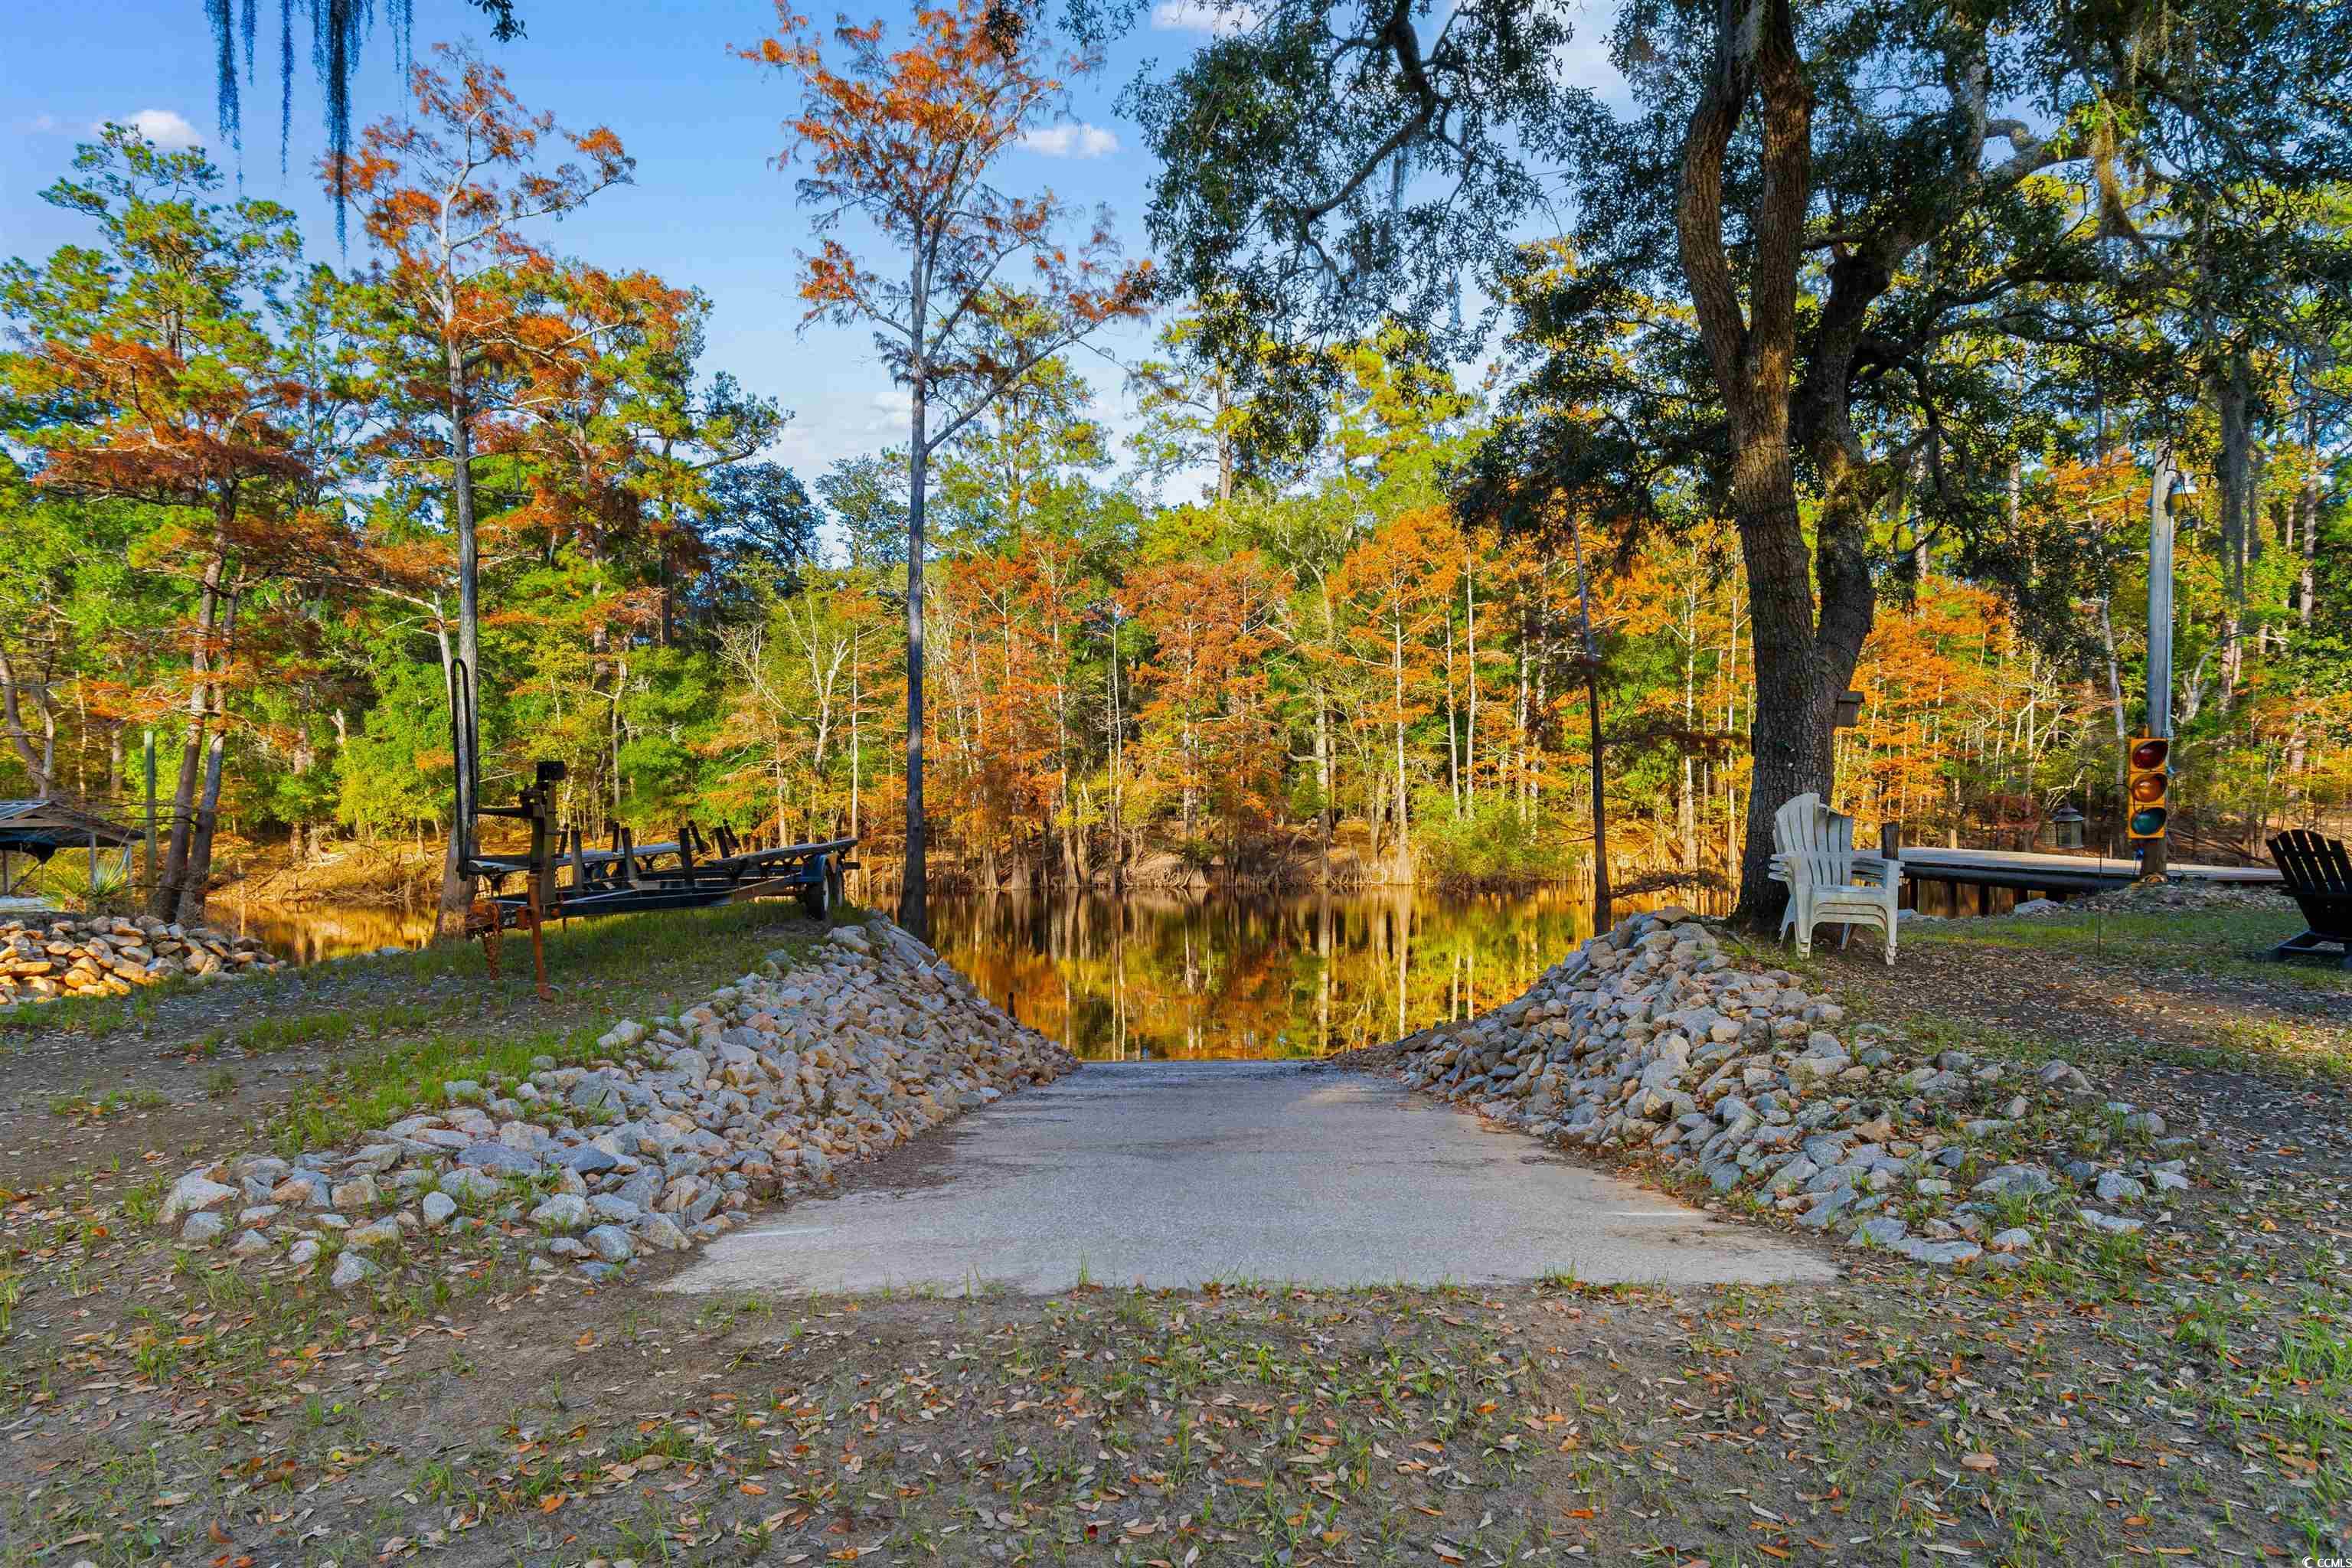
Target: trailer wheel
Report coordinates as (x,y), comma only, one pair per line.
(816,897)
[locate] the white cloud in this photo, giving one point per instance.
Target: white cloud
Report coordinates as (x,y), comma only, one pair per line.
(168,128)
(1201,17)
(1077,140)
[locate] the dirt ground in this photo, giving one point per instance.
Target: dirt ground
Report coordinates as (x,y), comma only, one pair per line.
(2180,1394)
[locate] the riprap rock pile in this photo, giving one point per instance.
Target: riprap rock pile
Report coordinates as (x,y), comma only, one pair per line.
(44,957)
(1649,1040)
(662,1140)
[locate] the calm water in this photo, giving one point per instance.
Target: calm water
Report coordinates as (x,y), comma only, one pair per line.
(1148,977)
(317,931)
(1163,976)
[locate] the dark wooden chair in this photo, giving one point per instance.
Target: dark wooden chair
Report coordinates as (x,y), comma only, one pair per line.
(2319,878)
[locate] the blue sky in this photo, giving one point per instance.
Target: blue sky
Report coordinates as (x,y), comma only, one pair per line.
(708,209)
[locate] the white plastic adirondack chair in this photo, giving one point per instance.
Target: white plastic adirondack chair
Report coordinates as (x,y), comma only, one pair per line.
(1813,853)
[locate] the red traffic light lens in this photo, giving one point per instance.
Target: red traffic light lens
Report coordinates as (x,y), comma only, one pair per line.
(2149,820)
(2146,788)
(2150,752)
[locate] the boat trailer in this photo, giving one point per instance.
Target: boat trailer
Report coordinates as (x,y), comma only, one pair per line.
(628,877)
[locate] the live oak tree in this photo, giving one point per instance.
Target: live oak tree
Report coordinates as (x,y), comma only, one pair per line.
(1096,659)
(1807,208)
(978,290)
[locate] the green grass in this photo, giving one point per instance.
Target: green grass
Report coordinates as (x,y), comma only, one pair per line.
(2131,954)
(378,1088)
(2226,941)
(94,1016)
(316,1006)
(108,1103)
(628,966)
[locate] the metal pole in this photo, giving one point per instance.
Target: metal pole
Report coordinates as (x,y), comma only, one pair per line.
(2159,599)
(2154,856)
(150,813)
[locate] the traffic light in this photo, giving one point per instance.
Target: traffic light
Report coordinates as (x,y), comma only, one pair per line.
(2147,786)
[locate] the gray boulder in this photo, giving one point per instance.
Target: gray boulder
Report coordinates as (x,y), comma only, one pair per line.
(564,1211)
(498,1157)
(195,1193)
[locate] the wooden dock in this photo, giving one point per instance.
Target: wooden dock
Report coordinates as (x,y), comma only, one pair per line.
(2057,875)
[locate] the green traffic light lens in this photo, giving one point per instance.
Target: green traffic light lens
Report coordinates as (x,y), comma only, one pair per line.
(2150,821)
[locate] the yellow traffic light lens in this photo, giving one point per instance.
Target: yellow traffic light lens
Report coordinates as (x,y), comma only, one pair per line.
(2150,753)
(2148,787)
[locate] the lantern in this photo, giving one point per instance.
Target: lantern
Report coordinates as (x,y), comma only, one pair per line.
(2066,827)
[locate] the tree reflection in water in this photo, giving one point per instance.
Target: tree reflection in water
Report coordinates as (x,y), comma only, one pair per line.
(1155,976)
(313,932)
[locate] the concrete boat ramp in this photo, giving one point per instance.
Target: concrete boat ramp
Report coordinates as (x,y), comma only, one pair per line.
(1177,1174)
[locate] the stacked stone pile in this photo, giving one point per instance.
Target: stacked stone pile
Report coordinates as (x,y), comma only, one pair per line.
(663,1140)
(46,956)
(1648,1040)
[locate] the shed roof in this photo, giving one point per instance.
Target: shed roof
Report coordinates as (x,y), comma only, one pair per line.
(40,828)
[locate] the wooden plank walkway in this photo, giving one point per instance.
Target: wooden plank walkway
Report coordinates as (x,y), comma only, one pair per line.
(2025,870)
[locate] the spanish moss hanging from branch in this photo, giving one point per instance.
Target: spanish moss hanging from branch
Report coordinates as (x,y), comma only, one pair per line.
(338,29)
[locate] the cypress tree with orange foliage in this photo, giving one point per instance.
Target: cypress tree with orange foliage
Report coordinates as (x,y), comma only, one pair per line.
(979,290)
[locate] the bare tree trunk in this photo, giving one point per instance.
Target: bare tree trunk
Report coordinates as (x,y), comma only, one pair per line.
(200,860)
(449,909)
(2305,526)
(1602,907)
(37,763)
(1117,766)
(2233,398)
(200,853)
(914,886)
(1452,727)
(164,901)
(1470,635)
(1323,803)
(2114,698)
(457,888)
(1799,667)
(2306,506)
(1404,831)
